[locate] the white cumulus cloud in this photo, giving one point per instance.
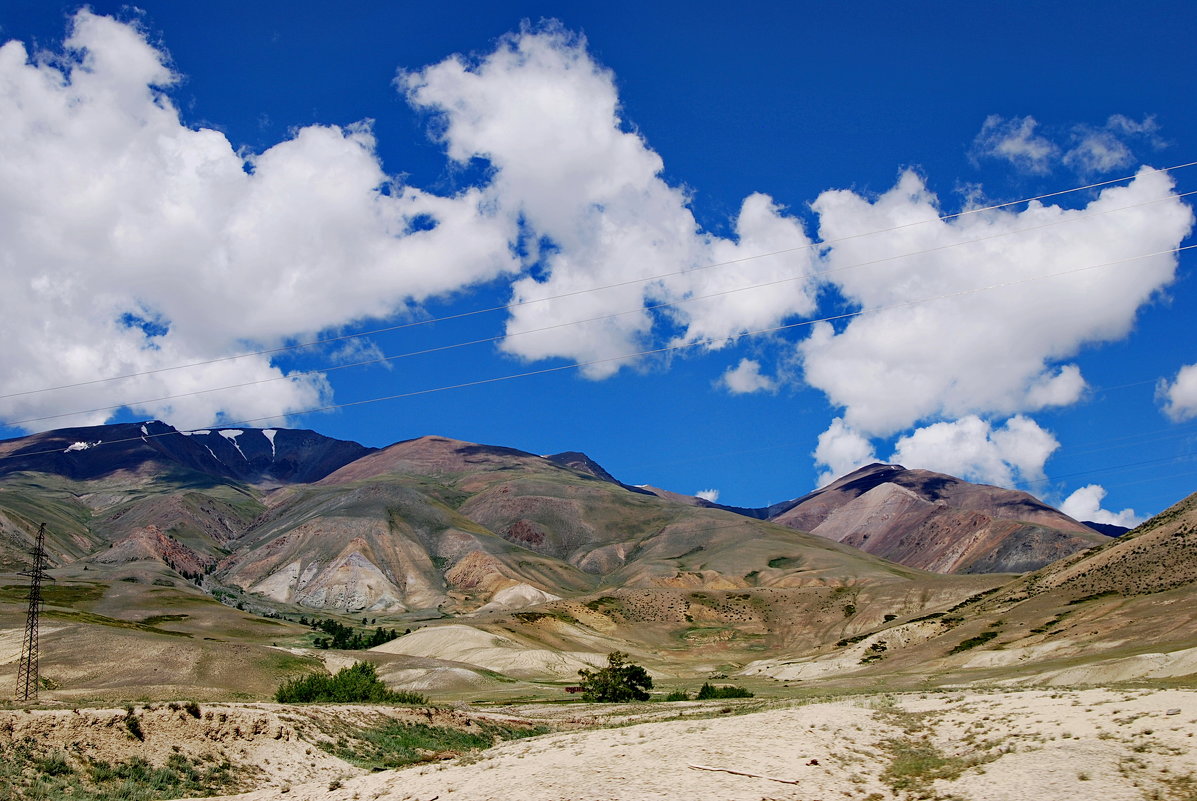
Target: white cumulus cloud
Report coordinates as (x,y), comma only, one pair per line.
(711,495)
(1087,149)
(547,119)
(1180,395)
(840,450)
(1014,140)
(746,377)
(130,241)
(1107,147)
(1085,505)
(995,352)
(1098,151)
(974,449)
(1148,128)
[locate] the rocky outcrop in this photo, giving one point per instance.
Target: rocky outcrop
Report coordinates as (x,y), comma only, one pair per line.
(347,564)
(150,543)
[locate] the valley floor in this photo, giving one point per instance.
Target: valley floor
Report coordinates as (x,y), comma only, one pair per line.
(971,744)
(1113,745)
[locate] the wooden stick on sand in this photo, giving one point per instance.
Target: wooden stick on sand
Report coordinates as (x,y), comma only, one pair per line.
(743,773)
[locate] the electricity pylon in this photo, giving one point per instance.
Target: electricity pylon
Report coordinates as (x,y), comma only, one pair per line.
(27,675)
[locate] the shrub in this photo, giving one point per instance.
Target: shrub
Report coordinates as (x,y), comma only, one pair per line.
(356,684)
(133,724)
(973,642)
(396,744)
(708,690)
(618,681)
(678,695)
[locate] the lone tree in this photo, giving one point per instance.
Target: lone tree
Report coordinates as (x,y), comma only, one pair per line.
(618,681)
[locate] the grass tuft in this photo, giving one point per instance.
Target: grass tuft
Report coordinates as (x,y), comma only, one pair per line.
(27,774)
(396,743)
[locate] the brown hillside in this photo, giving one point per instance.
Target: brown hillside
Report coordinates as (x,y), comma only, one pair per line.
(434,456)
(151,543)
(937,522)
(1159,555)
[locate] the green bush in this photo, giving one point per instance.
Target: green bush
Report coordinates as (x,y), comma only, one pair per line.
(618,681)
(708,691)
(853,640)
(356,684)
(973,642)
(678,695)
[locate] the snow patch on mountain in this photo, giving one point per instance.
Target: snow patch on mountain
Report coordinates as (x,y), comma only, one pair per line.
(231,435)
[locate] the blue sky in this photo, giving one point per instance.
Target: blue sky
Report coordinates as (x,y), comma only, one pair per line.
(295,173)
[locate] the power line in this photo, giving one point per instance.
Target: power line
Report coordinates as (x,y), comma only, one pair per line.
(1128,466)
(639,309)
(1126,441)
(1155,479)
(517,304)
(638,354)
(1133,440)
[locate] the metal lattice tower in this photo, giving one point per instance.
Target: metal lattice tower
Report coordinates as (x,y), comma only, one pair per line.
(27,675)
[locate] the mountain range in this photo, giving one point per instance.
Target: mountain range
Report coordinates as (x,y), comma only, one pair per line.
(913,517)
(526,554)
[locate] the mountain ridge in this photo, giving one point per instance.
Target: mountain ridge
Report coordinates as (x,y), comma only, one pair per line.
(917,518)
(252,455)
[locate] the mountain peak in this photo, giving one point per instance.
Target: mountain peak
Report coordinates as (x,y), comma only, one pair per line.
(935,521)
(580,462)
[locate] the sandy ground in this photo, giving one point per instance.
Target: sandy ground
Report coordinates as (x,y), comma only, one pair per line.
(11,642)
(473,646)
(986,746)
